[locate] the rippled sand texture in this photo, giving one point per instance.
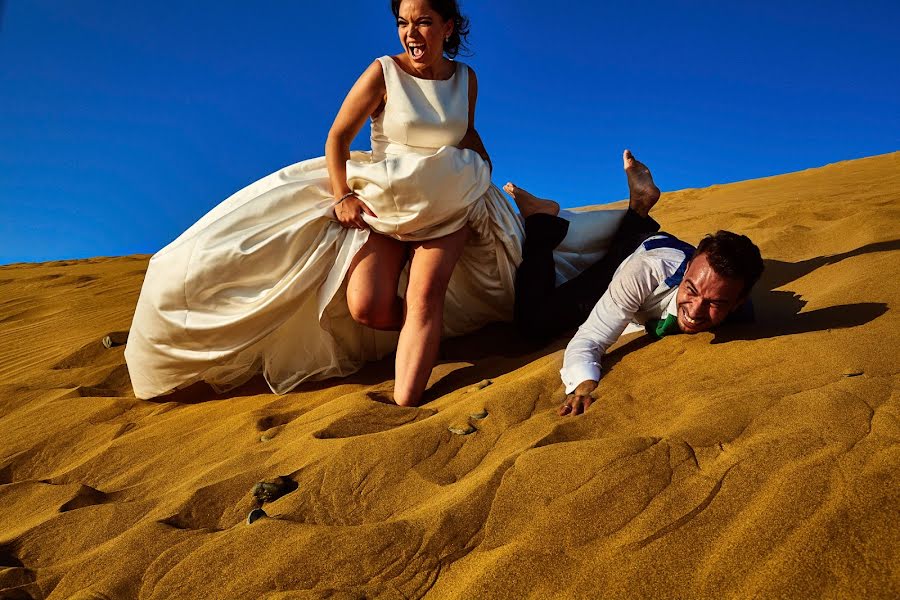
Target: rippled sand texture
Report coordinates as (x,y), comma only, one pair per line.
(762,461)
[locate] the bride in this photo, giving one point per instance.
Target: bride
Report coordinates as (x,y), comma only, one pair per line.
(331,262)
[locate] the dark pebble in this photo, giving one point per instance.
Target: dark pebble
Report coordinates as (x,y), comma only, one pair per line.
(273,489)
(116,338)
(255,514)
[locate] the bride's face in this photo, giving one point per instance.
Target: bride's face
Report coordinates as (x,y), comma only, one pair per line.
(422,32)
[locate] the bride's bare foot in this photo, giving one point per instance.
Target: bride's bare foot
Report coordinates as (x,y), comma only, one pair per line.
(530,204)
(643,192)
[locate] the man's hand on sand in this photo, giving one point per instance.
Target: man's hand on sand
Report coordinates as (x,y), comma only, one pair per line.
(579,400)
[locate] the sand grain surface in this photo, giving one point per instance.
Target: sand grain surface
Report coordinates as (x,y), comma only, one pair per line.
(758,461)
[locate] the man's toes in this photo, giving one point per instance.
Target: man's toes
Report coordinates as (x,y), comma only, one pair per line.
(628,159)
(509,188)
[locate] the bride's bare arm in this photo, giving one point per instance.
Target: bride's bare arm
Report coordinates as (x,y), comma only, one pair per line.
(472,140)
(365,98)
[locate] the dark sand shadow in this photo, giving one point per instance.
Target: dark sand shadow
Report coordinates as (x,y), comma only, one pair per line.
(778,312)
(200,392)
(503,340)
(779,273)
(494,350)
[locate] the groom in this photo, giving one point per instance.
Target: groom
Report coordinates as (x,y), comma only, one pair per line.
(653,279)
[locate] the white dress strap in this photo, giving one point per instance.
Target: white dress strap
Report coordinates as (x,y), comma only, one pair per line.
(389,68)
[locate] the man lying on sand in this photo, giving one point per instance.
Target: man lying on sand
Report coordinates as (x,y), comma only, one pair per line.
(649,278)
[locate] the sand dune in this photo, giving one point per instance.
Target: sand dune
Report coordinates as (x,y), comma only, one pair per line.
(759,461)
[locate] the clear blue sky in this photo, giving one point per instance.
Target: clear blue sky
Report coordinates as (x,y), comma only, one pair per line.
(121,123)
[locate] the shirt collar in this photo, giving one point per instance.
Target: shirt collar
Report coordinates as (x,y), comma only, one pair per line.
(672,305)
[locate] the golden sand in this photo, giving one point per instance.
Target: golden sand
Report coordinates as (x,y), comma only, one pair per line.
(758,461)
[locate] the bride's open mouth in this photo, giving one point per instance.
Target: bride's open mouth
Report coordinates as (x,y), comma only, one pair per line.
(416,51)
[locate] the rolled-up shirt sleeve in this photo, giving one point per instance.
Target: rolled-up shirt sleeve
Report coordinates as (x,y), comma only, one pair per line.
(632,284)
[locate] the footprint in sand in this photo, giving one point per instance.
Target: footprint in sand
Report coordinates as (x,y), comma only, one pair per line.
(94,353)
(49,277)
(116,384)
(275,421)
(271,424)
(373,418)
(90,391)
(85,496)
(78,281)
(86,356)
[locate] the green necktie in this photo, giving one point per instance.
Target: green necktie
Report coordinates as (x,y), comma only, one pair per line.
(659,328)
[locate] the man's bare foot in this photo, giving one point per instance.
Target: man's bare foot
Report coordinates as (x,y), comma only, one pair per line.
(530,204)
(643,192)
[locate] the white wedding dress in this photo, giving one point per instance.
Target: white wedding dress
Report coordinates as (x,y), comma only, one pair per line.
(257,284)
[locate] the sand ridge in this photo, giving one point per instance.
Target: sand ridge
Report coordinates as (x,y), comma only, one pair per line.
(761,460)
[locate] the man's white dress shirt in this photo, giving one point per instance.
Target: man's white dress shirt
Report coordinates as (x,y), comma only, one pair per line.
(644,287)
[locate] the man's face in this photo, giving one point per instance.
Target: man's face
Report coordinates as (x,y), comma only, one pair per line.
(705,298)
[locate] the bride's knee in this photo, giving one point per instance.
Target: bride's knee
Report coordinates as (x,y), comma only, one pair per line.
(382,315)
(375,320)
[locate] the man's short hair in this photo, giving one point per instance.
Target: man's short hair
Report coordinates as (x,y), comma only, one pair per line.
(733,256)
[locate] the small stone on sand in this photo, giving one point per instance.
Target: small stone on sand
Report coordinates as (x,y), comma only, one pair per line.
(116,338)
(462,429)
(255,514)
(480,385)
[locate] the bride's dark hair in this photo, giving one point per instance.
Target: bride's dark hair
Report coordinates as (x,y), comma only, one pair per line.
(449,11)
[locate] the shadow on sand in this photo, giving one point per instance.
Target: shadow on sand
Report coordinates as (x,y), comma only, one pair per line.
(198,393)
(491,351)
(778,312)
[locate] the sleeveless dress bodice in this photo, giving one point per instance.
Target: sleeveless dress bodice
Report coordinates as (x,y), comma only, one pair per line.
(420,115)
(416,180)
(258,283)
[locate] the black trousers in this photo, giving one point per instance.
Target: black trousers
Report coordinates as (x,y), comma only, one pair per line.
(542,310)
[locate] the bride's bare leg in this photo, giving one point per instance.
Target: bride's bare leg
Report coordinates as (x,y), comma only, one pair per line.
(429,274)
(372,283)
